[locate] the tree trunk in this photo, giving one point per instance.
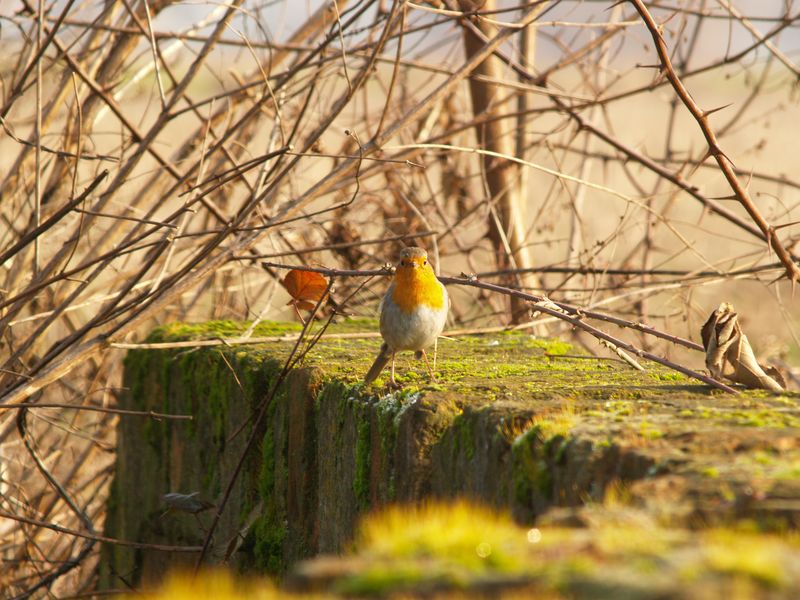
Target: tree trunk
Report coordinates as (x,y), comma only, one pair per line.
(507,221)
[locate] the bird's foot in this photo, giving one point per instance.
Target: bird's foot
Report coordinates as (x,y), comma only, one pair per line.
(428,366)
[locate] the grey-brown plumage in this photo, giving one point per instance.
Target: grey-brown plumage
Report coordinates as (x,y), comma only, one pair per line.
(413,312)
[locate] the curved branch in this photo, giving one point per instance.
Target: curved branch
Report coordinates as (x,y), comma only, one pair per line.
(714,149)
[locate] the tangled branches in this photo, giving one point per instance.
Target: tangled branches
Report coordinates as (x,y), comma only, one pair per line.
(153,153)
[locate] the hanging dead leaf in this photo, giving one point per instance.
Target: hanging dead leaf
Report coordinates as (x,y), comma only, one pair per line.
(729,354)
(305,288)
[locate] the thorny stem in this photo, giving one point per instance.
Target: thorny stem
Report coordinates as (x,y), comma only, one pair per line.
(714,149)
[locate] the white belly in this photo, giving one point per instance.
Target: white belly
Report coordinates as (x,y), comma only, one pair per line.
(416,330)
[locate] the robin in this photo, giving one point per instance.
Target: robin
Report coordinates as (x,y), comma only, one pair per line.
(413,312)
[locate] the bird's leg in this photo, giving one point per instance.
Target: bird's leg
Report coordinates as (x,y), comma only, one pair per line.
(391,379)
(435,348)
(427,364)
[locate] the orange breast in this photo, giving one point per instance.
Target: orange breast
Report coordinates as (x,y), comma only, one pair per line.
(415,287)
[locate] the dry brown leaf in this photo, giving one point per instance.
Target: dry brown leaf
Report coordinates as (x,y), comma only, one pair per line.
(729,354)
(305,288)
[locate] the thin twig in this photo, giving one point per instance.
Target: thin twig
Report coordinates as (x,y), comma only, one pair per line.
(97,538)
(103,409)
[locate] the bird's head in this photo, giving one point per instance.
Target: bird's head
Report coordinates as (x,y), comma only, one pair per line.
(412,259)
(415,282)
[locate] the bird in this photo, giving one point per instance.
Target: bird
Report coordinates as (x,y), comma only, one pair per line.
(413,312)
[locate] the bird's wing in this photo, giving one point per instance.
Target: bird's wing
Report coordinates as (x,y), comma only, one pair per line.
(388,294)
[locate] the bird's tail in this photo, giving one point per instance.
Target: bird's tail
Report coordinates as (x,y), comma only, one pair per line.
(380,362)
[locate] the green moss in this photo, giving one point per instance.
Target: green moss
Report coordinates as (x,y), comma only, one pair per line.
(763,458)
(538,452)
(506,370)
(266,478)
(389,410)
(755,557)
(217,396)
(460,535)
(790,472)
(381,580)
(649,431)
(620,408)
(763,418)
(408,549)
(361,481)
(217,329)
(465,437)
(553,347)
(530,472)
(584,407)
(268,546)
(668,376)
(554,424)
(748,417)
(265,543)
(557,447)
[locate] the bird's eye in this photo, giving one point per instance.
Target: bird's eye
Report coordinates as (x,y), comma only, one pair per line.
(424,262)
(402,263)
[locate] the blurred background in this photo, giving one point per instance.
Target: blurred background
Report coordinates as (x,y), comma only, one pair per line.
(154,154)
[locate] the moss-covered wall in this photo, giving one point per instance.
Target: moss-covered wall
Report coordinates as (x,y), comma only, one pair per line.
(513,421)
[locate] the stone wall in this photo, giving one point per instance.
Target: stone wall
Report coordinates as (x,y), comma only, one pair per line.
(514,422)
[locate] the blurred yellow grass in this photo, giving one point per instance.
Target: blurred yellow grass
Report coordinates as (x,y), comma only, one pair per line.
(460,549)
(463,534)
(211,585)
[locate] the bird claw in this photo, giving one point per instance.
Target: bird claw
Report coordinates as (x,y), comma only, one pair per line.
(393,385)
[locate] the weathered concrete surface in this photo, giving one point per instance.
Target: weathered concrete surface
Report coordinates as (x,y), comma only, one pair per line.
(516,423)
